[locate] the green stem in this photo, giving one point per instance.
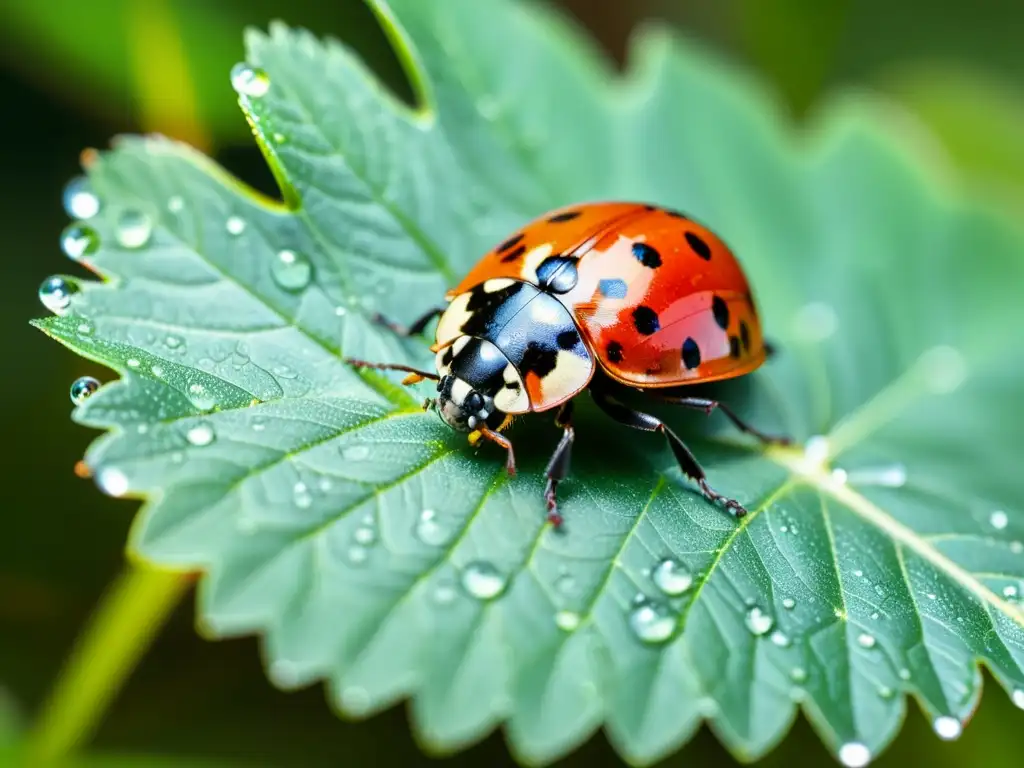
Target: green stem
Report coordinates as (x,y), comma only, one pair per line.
(122,628)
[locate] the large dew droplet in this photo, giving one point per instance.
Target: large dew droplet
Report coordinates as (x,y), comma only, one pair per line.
(134,229)
(671,577)
(83,388)
(567,621)
(998,520)
(112,481)
(652,622)
(201,434)
(1017,697)
(864,640)
(235,225)
(483,580)
(947,728)
(853,754)
(55,293)
(80,202)
(758,622)
(248,80)
(78,241)
(429,530)
(292,271)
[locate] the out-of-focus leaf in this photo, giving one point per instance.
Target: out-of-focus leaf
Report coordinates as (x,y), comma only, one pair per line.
(373,549)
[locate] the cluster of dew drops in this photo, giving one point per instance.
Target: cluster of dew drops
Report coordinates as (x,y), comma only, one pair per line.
(291,270)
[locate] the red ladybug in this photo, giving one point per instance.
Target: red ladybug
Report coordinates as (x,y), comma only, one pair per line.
(589,297)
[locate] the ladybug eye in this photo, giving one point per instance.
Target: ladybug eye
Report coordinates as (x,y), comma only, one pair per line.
(474,402)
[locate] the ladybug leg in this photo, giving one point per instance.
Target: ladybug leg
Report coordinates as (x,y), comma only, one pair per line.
(703,404)
(687,462)
(558,466)
(415,375)
(504,442)
(417,326)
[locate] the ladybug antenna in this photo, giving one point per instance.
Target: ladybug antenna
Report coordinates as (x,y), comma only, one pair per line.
(415,374)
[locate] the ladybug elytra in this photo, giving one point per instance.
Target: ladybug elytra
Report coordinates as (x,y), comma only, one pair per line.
(592,297)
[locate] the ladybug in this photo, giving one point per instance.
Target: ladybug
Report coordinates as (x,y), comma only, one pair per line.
(592,297)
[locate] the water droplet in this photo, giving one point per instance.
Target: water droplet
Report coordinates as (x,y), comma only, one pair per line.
(998,520)
(112,481)
(249,81)
(355,700)
(816,450)
(340,311)
(788,603)
(885,692)
(874,615)
(798,674)
(671,577)
(892,476)
(325,484)
(290,270)
(235,225)
(931,595)
(759,622)
(853,754)
(904,674)
(200,398)
(200,434)
(444,594)
(134,229)
(283,673)
(357,554)
(300,493)
(838,476)
(174,342)
(1016,547)
(1018,697)
(780,639)
(567,620)
(652,622)
(279,138)
(80,202)
(85,328)
(1010,591)
(82,389)
(947,728)
(176,204)
(784,529)
(131,362)
(157,371)
(55,293)
(864,640)
(365,535)
(944,369)
(482,580)
(429,530)
(78,241)
(858,573)
(816,321)
(355,452)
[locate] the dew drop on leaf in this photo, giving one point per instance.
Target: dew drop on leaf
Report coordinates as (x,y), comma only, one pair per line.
(112,481)
(290,270)
(201,434)
(365,535)
(482,580)
(885,692)
(788,603)
(947,728)
(567,620)
(355,452)
(157,371)
(82,388)
(780,639)
(134,229)
(80,202)
(301,495)
(904,674)
(357,554)
(78,241)
(853,754)
(1010,592)
(1016,547)
(1018,697)
(85,328)
(652,622)
(798,674)
(131,362)
(429,530)
(758,622)
(249,81)
(235,225)
(816,450)
(444,594)
(671,577)
(55,293)
(176,204)
(201,398)
(998,520)
(864,640)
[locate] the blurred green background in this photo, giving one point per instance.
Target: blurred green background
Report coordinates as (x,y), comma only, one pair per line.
(75,73)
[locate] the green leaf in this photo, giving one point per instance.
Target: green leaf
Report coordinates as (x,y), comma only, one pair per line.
(373,549)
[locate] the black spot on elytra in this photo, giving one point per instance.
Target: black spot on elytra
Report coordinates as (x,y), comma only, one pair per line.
(691,353)
(513,385)
(558,218)
(745,335)
(514,240)
(650,207)
(538,359)
(734,347)
(646,255)
(698,245)
(514,254)
(558,274)
(646,320)
(721,312)
(567,339)
(614,352)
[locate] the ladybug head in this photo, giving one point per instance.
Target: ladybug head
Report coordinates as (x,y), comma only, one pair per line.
(462,407)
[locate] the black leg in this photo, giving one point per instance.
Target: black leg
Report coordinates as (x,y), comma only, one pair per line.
(706,405)
(687,462)
(418,325)
(415,375)
(558,467)
(770,350)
